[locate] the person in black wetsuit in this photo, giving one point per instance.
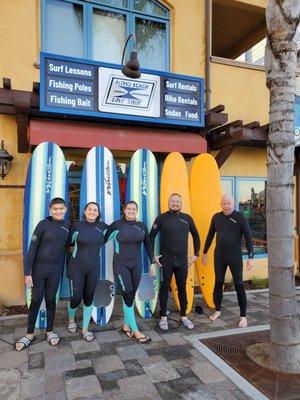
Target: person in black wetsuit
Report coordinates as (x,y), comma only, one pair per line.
(230,226)
(43,269)
(129,235)
(87,237)
(174,227)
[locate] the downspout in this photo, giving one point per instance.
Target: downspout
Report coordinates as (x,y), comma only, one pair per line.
(208,34)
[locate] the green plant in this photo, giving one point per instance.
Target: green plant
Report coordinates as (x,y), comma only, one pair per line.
(260,283)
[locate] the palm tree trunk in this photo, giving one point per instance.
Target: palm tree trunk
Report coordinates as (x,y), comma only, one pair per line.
(282,18)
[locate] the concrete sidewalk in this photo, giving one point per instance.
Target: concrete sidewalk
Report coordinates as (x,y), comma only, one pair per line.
(115,367)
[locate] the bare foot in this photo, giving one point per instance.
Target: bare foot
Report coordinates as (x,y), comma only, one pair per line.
(215,315)
(243,322)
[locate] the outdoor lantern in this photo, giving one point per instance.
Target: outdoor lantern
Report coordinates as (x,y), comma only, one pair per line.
(5,161)
(132,68)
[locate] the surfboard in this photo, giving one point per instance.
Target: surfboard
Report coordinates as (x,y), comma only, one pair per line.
(46,179)
(100,184)
(205,192)
(174,179)
(142,187)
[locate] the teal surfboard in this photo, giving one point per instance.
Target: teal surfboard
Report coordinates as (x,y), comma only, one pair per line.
(142,187)
(100,184)
(46,179)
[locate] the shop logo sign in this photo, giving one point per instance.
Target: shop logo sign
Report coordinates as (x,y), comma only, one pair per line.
(144,179)
(107,178)
(130,93)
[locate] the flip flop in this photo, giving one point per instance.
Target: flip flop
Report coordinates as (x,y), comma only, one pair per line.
(53,339)
(163,324)
(143,339)
(87,336)
(188,324)
(72,327)
(127,333)
(25,342)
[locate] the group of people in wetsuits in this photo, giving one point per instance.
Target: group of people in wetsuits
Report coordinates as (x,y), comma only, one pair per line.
(45,260)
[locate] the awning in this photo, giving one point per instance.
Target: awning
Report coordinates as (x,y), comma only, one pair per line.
(87,135)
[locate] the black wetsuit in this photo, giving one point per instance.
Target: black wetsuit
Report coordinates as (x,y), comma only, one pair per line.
(129,237)
(228,252)
(44,262)
(174,228)
(84,267)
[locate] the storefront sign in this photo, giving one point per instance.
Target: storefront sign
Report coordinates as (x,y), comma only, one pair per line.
(80,87)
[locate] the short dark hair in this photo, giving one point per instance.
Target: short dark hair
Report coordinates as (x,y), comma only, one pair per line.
(57,200)
(96,204)
(175,194)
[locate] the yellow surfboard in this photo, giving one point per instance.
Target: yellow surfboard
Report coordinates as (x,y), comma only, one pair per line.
(174,179)
(205,193)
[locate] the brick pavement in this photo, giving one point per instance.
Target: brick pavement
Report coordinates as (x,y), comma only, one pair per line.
(115,367)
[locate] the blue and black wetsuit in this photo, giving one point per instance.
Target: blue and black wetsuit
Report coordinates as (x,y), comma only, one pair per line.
(174,228)
(228,252)
(44,262)
(128,238)
(84,266)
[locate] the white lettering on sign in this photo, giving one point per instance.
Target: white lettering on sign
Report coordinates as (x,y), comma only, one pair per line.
(62,100)
(172,113)
(191,115)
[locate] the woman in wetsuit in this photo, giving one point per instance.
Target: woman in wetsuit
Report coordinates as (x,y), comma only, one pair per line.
(128,235)
(87,237)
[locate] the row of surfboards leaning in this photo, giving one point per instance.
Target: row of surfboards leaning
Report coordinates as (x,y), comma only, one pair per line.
(198,184)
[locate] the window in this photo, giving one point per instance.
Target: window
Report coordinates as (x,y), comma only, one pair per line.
(98,29)
(250,199)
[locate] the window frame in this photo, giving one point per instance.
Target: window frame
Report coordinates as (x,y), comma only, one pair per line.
(129,12)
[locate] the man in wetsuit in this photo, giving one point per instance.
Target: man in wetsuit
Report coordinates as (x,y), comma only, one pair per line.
(43,269)
(230,226)
(174,227)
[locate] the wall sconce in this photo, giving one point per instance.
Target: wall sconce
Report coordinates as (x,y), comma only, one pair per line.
(132,68)
(5,161)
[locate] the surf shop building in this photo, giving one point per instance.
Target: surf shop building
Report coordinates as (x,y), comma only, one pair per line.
(201,90)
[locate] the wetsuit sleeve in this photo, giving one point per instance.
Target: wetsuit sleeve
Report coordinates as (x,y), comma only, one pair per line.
(196,237)
(33,248)
(210,235)
(113,227)
(148,245)
(247,235)
(155,229)
(71,233)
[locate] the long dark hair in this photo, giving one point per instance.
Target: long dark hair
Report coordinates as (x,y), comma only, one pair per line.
(126,204)
(96,204)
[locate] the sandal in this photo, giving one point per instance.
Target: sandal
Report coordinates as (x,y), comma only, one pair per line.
(188,324)
(127,333)
(72,327)
(163,324)
(87,336)
(25,342)
(143,339)
(52,339)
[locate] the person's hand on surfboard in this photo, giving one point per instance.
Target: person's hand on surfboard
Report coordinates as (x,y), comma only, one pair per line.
(153,268)
(157,260)
(204,259)
(249,264)
(191,260)
(28,281)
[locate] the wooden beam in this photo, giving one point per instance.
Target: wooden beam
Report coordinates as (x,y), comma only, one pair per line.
(214,119)
(225,128)
(6,83)
(223,154)
(217,109)
(22,110)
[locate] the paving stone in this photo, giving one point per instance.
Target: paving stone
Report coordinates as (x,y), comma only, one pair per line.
(109,381)
(171,352)
(145,361)
(131,352)
(10,338)
(88,356)
(53,383)
(133,368)
(219,323)
(9,384)
(197,355)
(155,337)
(185,372)
(160,372)
(81,346)
(84,364)
(55,363)
(217,387)
(32,387)
(43,346)
(86,387)
(108,336)
(225,396)
(138,388)
(113,395)
(167,392)
(207,372)
(107,364)
(239,395)
(199,394)
(55,396)
(13,359)
(174,339)
(36,361)
(78,373)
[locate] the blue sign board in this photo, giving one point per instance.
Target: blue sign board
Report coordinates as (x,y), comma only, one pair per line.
(90,88)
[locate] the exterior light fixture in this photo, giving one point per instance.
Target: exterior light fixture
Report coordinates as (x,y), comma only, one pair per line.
(132,68)
(5,161)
